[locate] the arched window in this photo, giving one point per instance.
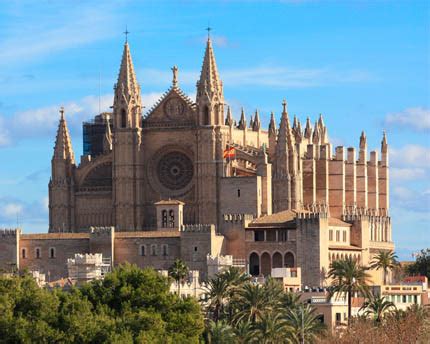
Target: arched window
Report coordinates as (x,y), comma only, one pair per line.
(289,260)
(153,250)
(52,252)
(24,253)
(38,253)
(206,119)
(171,219)
(164,218)
(254,264)
(123,119)
(266,264)
(142,250)
(277,260)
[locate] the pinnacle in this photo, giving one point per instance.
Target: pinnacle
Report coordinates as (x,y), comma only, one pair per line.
(229,118)
(242,121)
(127,77)
(209,76)
(363,140)
(63,144)
(272,124)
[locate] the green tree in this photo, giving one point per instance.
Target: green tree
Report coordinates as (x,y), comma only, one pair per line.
(272,329)
(303,323)
(252,303)
(178,271)
(217,292)
(220,333)
(385,261)
(421,266)
(245,333)
(376,307)
(348,277)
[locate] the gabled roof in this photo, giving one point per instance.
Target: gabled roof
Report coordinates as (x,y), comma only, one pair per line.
(172,90)
(275,219)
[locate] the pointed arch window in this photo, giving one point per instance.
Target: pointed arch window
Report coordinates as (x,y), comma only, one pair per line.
(123,119)
(171,219)
(164,218)
(206,120)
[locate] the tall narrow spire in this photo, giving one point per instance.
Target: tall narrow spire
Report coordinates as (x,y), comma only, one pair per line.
(308,129)
(63,144)
(242,121)
(384,144)
(316,136)
(209,76)
(272,124)
(251,122)
(229,118)
(127,82)
(363,141)
(285,139)
(257,124)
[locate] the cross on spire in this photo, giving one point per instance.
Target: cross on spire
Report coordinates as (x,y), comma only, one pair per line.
(209,29)
(126,32)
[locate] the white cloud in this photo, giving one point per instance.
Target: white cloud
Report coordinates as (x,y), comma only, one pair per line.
(43,121)
(269,76)
(407,173)
(11,210)
(411,156)
(57,28)
(417,118)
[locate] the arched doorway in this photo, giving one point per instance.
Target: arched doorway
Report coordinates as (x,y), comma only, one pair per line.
(266,264)
(277,260)
(289,260)
(254,264)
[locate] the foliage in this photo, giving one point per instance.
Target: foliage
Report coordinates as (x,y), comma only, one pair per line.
(178,271)
(421,266)
(384,260)
(376,307)
(348,278)
(129,306)
(241,311)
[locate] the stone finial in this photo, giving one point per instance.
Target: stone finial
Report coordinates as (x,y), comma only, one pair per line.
(284,106)
(251,122)
(175,76)
(256,124)
(242,121)
(308,129)
(384,144)
(316,135)
(229,119)
(321,122)
(272,124)
(295,122)
(363,141)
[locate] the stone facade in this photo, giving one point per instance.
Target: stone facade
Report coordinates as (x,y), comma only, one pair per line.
(186,176)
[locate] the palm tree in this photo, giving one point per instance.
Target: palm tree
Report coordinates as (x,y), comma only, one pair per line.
(385,260)
(272,329)
(304,324)
(252,303)
(290,300)
(377,306)
(217,292)
(220,333)
(178,271)
(348,277)
(245,333)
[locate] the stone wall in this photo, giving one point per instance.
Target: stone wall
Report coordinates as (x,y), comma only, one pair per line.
(9,249)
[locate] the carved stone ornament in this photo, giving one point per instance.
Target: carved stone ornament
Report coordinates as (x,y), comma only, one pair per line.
(175,170)
(174,107)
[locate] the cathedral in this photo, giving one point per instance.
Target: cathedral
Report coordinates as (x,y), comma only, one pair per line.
(186,180)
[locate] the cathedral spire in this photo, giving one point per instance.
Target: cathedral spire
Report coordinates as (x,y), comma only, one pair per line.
(257,124)
(127,82)
(209,76)
(316,136)
(63,145)
(229,118)
(285,139)
(308,129)
(251,122)
(242,121)
(272,124)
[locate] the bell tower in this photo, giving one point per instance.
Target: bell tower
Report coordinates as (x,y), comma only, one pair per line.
(126,147)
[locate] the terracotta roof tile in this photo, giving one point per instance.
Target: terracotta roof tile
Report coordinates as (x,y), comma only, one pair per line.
(169,202)
(277,218)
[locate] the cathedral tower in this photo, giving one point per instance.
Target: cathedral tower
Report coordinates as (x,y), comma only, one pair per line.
(61,202)
(127,160)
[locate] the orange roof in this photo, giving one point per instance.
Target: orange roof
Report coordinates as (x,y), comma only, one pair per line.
(149,234)
(277,218)
(411,279)
(169,202)
(332,221)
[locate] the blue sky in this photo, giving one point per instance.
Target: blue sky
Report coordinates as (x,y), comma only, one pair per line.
(363,64)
